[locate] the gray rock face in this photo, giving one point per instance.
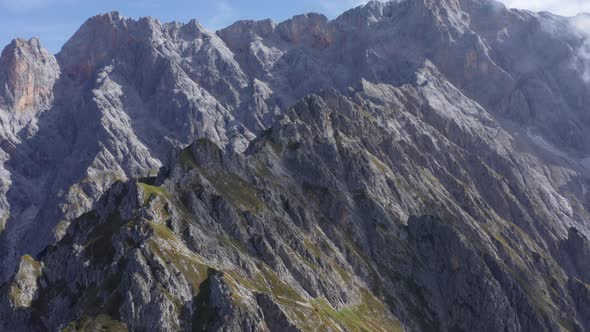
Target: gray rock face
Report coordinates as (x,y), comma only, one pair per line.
(309,227)
(577,250)
(410,165)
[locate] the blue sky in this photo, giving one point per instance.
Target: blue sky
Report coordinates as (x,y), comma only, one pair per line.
(54,21)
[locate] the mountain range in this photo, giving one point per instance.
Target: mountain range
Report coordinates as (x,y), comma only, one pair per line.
(414,165)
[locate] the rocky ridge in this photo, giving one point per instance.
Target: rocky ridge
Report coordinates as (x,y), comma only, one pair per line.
(430,174)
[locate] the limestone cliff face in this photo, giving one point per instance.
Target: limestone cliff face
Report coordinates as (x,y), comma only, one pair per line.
(27,76)
(418,165)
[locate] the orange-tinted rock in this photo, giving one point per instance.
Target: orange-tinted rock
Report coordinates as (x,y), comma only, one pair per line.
(27,75)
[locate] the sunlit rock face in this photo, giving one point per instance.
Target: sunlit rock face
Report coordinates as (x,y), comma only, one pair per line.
(27,76)
(417,165)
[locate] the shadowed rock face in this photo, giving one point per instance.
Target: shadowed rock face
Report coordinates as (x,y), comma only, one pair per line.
(418,165)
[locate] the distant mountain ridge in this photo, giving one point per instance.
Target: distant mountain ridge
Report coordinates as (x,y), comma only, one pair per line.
(368,162)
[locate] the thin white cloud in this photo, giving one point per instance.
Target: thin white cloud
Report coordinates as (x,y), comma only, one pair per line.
(581,61)
(560,7)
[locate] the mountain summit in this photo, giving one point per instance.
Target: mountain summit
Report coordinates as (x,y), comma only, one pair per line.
(27,74)
(410,165)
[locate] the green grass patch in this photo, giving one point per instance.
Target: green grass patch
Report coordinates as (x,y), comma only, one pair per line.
(312,247)
(378,163)
(193,270)
(177,304)
(342,272)
(263,171)
(162,231)
(150,191)
(98,323)
(279,288)
(368,316)
(187,158)
(239,192)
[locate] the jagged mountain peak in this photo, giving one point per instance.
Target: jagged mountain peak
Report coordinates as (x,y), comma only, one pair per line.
(409,164)
(248,28)
(27,74)
(20,48)
(113,18)
(113,35)
(17,43)
(196,26)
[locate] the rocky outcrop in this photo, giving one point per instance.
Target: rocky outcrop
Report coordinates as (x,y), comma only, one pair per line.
(576,249)
(27,76)
(457,278)
(24,288)
(580,293)
(20,294)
